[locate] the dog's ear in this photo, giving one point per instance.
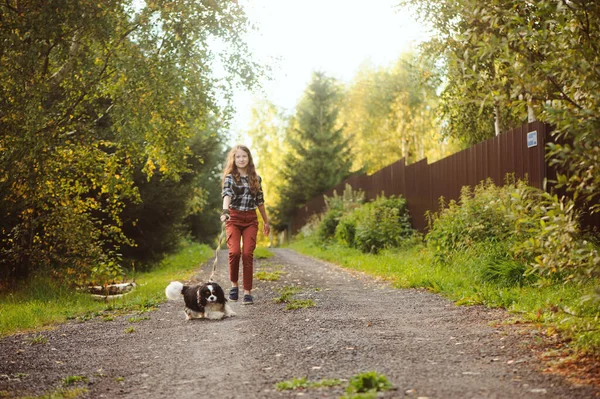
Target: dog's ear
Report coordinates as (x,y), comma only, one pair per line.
(201,298)
(220,294)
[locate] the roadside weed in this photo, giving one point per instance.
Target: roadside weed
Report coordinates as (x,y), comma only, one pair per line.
(262,253)
(291,304)
(61,393)
(302,383)
(361,386)
(137,319)
(287,293)
(299,304)
(73,379)
(37,339)
(367,383)
(129,330)
(268,276)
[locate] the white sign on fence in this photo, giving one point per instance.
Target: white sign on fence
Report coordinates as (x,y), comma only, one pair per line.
(532,139)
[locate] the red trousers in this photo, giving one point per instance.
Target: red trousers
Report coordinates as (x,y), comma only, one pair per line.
(242,225)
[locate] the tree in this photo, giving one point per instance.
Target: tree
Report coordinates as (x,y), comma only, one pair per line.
(542,60)
(320,155)
(268,128)
(391,114)
(91,92)
(169,210)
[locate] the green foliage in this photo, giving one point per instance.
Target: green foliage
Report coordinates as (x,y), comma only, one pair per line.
(303,383)
(504,272)
(383,223)
(294,383)
(556,248)
(479,216)
(93,93)
(525,58)
(286,294)
(367,382)
(170,211)
(61,393)
(299,304)
(262,253)
(390,113)
(42,301)
(336,207)
(536,234)
(73,379)
(263,275)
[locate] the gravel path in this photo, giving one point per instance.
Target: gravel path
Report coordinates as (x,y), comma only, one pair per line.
(421,342)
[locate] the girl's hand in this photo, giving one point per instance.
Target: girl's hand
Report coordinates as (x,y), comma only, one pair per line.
(225,215)
(266,228)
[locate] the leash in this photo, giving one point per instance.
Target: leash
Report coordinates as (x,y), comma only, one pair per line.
(214,266)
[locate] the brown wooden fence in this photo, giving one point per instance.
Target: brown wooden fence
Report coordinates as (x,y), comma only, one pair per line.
(422,184)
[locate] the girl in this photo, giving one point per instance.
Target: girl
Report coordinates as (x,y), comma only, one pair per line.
(242,194)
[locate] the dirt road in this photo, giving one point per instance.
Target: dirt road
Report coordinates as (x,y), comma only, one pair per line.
(421,342)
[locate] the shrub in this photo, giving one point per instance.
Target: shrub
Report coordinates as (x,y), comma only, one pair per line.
(479,216)
(554,245)
(336,207)
(329,222)
(538,234)
(383,223)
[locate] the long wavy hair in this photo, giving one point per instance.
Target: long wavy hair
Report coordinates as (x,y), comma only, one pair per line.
(231,168)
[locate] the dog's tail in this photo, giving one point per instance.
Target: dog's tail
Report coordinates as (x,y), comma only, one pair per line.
(173,290)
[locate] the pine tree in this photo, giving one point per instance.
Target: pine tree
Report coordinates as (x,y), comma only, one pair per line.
(320,155)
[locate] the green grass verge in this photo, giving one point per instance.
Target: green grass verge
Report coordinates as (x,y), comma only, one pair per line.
(556,307)
(61,393)
(39,303)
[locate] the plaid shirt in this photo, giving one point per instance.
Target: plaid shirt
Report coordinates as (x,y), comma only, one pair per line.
(241,197)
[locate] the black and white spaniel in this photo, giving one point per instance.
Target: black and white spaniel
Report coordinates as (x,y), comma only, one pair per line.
(201,301)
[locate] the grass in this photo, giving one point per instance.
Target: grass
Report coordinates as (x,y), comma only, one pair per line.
(61,393)
(557,307)
(303,383)
(40,303)
(264,275)
(262,253)
(360,386)
(73,379)
(286,294)
(37,339)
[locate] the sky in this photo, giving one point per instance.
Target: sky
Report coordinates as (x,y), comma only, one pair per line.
(297,37)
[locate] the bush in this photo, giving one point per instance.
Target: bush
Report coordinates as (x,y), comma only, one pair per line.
(553,244)
(336,207)
(329,222)
(383,223)
(345,231)
(539,235)
(479,216)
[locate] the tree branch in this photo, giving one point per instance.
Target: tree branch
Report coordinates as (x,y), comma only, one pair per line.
(13,9)
(70,63)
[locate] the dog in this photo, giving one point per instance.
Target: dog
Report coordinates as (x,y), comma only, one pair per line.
(201,301)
